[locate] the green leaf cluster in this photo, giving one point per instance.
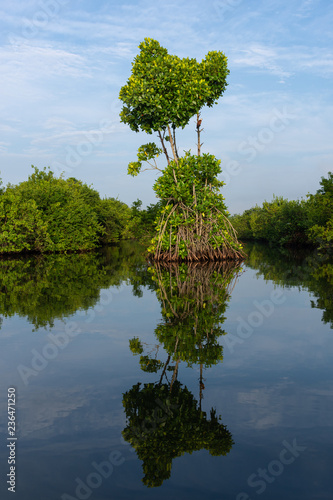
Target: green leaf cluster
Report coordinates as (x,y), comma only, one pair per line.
(146,152)
(320,214)
(192,181)
(165,89)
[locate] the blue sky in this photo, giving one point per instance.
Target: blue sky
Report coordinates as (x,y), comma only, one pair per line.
(63,62)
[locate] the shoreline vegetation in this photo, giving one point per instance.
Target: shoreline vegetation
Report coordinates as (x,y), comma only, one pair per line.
(46,215)
(291,223)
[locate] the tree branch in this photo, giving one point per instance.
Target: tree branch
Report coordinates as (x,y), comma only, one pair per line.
(174,153)
(172,145)
(163,146)
(174,139)
(198,132)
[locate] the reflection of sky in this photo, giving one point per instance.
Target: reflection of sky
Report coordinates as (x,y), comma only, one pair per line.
(275,386)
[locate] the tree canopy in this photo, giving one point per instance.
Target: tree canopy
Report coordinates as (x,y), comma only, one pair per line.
(165,90)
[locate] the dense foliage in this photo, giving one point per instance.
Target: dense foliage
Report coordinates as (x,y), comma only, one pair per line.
(285,222)
(142,223)
(49,214)
(165,90)
(194,223)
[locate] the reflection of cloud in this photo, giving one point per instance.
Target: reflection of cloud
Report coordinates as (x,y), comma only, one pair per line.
(60,412)
(286,404)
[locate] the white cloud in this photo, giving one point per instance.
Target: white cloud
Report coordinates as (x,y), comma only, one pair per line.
(261,58)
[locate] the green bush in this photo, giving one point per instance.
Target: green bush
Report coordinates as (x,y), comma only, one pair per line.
(283,222)
(49,214)
(115,217)
(320,214)
(23,227)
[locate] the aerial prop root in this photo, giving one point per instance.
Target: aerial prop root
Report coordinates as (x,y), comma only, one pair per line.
(210,238)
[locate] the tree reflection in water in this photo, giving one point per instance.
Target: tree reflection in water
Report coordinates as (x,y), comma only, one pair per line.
(164,420)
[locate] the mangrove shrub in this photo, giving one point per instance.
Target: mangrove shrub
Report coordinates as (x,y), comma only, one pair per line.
(162,94)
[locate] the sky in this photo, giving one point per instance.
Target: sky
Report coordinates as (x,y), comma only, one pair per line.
(63,62)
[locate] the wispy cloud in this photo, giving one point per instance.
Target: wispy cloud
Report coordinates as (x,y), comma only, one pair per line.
(261,58)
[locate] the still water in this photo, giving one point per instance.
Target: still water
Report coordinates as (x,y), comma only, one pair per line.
(155,383)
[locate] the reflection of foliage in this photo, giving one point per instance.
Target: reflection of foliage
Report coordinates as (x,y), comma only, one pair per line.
(49,287)
(164,424)
(150,365)
(146,362)
(303,269)
(136,346)
(165,421)
(194,299)
(321,286)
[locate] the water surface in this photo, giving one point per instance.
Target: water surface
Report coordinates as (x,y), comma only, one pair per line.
(150,382)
